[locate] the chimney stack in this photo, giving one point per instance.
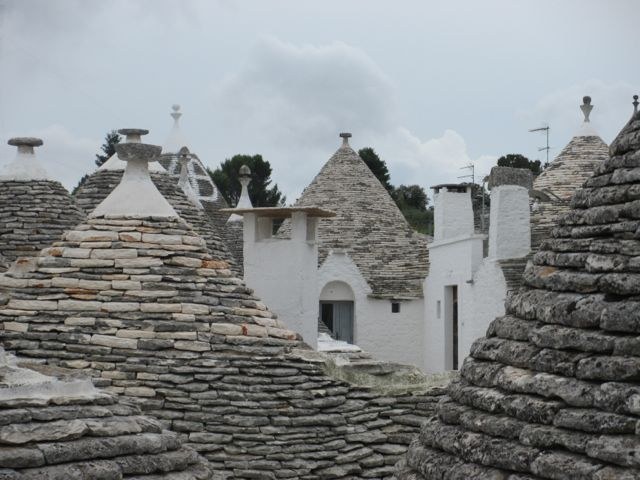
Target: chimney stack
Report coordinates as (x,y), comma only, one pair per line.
(453,212)
(509,223)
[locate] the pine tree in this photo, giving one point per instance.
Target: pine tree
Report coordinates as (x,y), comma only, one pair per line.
(108,148)
(262,195)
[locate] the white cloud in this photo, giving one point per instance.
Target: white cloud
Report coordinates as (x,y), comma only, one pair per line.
(290,102)
(560,109)
(65,155)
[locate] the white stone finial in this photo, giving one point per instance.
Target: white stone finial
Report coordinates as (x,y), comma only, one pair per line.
(25,165)
(345,138)
(586,129)
(136,195)
(184,157)
(176,114)
(586,107)
(244,176)
(175,140)
(131,135)
(635,104)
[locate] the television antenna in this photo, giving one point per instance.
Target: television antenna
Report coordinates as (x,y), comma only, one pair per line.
(472,175)
(547,148)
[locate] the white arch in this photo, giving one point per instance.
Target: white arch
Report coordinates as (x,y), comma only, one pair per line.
(337,291)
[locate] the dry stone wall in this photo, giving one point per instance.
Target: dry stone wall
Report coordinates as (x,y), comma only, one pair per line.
(553,390)
(102,182)
(54,429)
(140,305)
(33,215)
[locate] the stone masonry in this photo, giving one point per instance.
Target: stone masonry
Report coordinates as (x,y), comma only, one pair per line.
(102,182)
(553,390)
(141,305)
(66,429)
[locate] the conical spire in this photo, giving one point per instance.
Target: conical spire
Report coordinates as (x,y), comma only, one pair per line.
(25,165)
(176,140)
(132,135)
(552,391)
(244,177)
(183,181)
(136,194)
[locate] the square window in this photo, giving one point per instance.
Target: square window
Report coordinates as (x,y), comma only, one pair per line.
(395,307)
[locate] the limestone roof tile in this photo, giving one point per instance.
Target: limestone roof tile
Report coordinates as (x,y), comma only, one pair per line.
(551,392)
(33,215)
(66,428)
(391,256)
(140,305)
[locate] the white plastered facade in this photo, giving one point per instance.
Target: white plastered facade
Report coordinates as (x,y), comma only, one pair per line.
(394,337)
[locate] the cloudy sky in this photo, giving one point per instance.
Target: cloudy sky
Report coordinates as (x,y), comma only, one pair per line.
(432,86)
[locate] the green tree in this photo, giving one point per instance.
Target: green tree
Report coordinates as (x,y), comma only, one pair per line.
(410,196)
(515,160)
(260,191)
(108,148)
(377,166)
(111,139)
(413,202)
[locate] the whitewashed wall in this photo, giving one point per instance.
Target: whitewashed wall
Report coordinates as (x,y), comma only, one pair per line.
(395,337)
(486,301)
(284,275)
(451,262)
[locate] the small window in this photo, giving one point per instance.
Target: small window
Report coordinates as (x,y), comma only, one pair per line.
(395,307)
(438,309)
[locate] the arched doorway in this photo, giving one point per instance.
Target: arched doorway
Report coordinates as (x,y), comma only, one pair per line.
(337,310)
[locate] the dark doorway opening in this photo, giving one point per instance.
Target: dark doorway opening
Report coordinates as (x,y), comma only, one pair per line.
(338,318)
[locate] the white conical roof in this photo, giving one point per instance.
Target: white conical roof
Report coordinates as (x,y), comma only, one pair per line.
(25,165)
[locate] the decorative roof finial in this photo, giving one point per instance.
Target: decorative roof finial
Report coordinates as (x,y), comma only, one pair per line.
(184,156)
(586,107)
(635,104)
(345,138)
(25,166)
(244,176)
(136,194)
(176,114)
(133,135)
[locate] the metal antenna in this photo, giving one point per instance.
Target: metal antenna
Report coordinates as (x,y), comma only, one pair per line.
(547,148)
(472,175)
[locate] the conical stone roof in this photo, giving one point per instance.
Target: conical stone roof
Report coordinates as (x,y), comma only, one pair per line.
(140,304)
(34,209)
(391,256)
(205,190)
(55,429)
(565,174)
(102,182)
(553,390)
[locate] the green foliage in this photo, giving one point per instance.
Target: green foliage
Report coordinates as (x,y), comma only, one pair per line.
(410,196)
(515,160)
(108,148)
(260,192)
(377,166)
(80,183)
(412,200)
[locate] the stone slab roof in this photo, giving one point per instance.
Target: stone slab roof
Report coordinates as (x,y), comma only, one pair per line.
(391,256)
(512,269)
(55,429)
(561,179)
(201,183)
(141,306)
(102,182)
(33,215)
(552,391)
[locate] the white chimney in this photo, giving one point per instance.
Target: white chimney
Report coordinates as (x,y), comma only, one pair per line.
(453,213)
(509,227)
